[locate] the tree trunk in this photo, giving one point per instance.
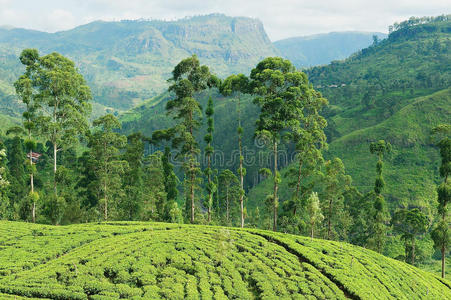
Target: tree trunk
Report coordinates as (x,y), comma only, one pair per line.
(276,187)
(106,201)
(413,251)
(55,150)
(33,210)
(210,200)
(210,193)
(298,185)
(329,230)
(443,246)
(241,164)
(241,179)
(311,230)
(192,194)
(227,204)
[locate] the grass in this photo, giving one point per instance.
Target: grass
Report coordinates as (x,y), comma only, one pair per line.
(137,260)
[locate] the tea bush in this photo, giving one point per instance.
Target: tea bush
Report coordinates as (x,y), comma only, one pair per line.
(134,260)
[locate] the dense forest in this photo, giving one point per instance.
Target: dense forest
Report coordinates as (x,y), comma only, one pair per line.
(268,150)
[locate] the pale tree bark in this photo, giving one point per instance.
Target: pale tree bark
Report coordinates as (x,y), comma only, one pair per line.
(276,187)
(240,146)
(227,204)
(33,210)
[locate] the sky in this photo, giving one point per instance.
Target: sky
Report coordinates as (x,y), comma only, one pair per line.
(281,18)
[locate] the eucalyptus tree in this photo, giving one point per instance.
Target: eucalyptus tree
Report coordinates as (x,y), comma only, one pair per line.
(188,79)
(208,138)
(4,183)
(377,239)
(273,81)
(16,159)
(60,100)
(314,212)
(307,133)
(336,183)
(238,85)
(25,89)
(441,234)
(410,223)
(227,181)
(133,181)
(105,146)
(170,184)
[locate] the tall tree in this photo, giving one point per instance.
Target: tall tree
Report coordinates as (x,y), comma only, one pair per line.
(133,181)
(228,182)
(379,228)
(105,147)
(155,204)
(16,168)
(237,85)
(4,201)
(441,233)
(410,223)
(307,131)
(25,90)
(336,184)
(271,81)
(314,212)
(61,98)
(211,186)
(170,184)
(188,79)
(308,137)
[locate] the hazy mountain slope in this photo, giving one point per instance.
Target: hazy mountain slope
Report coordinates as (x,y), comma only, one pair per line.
(129,61)
(321,49)
(139,260)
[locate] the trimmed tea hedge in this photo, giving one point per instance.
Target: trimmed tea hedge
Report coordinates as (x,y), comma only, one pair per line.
(134,260)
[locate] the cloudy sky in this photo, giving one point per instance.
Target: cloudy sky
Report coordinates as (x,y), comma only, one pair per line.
(281,18)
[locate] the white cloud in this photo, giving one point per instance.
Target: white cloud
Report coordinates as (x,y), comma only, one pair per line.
(282,18)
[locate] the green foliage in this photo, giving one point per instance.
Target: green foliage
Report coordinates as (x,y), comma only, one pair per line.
(4,183)
(188,79)
(109,168)
(136,260)
(410,224)
(336,184)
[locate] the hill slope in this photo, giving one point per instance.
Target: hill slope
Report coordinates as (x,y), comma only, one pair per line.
(156,260)
(129,61)
(321,49)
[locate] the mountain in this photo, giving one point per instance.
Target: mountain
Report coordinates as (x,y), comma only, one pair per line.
(127,62)
(321,49)
(138,260)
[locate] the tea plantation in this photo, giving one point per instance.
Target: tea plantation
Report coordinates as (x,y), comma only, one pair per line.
(132,260)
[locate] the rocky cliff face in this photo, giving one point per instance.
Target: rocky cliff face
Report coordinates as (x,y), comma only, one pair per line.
(126,62)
